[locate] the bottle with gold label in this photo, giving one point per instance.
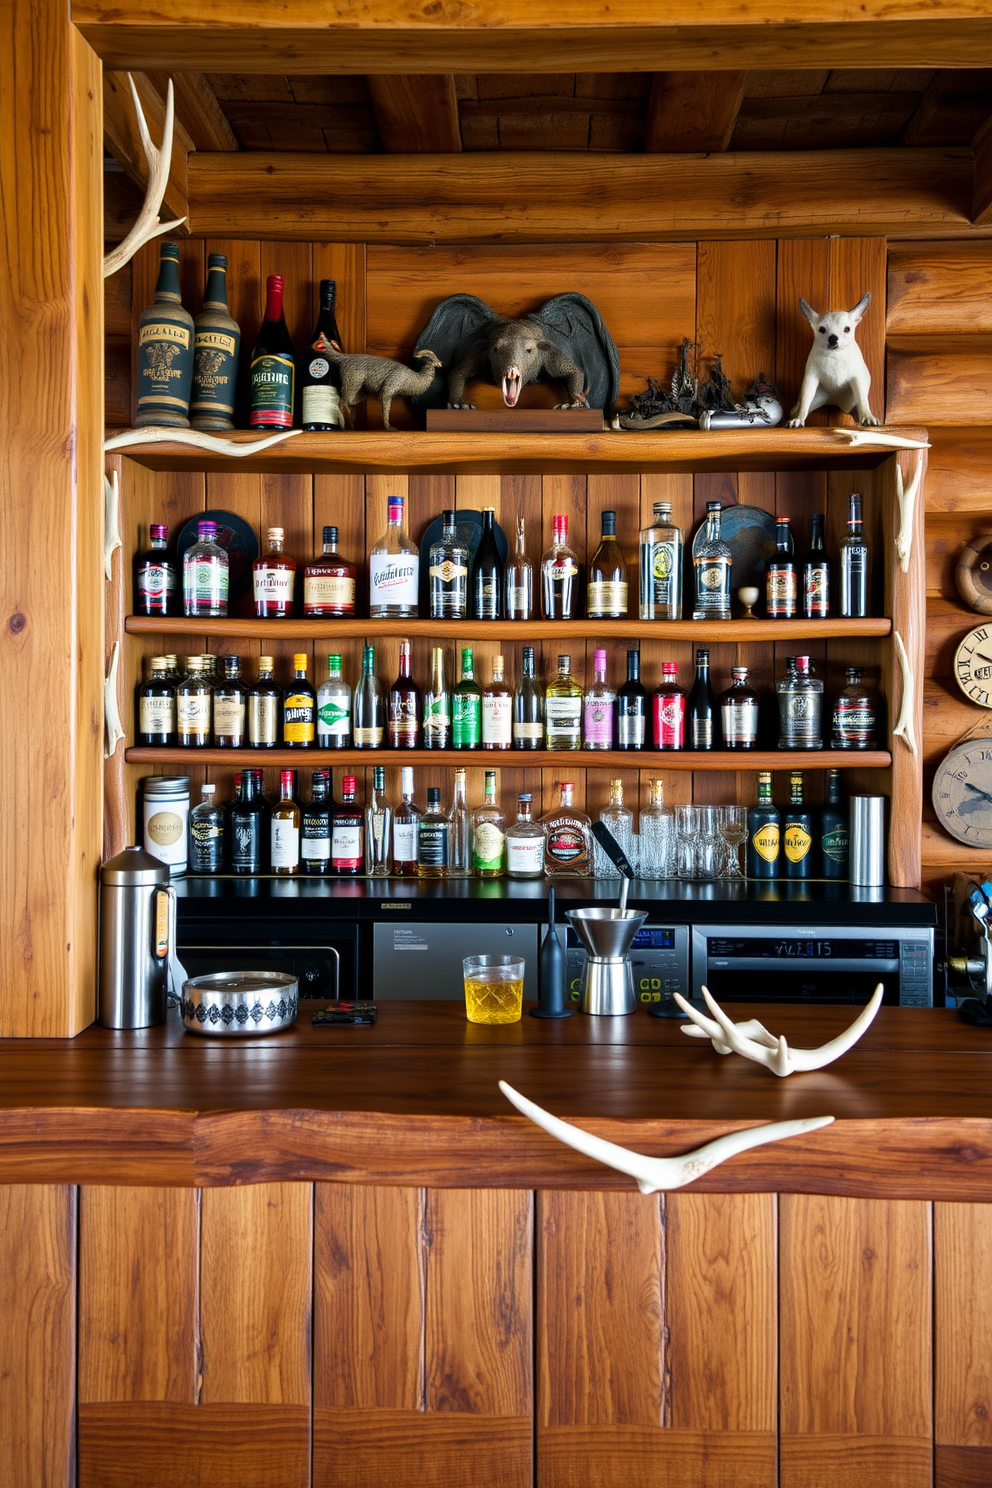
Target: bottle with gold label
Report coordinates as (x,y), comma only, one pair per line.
(230,707)
(216,343)
(712,562)
(299,708)
(165,350)
(264,700)
(764,826)
(157,706)
(194,705)
(797,833)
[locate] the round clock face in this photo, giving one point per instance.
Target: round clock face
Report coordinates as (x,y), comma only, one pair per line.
(973,666)
(962,792)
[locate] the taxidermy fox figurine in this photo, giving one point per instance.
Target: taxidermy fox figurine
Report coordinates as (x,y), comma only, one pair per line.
(836,372)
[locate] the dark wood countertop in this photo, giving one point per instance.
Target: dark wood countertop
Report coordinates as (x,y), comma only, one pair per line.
(415,1100)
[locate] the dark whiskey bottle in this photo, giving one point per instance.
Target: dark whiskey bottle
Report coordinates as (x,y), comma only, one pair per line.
(834,831)
(320,379)
(216,343)
(273,366)
(764,832)
(702,706)
(157,707)
(797,833)
(403,706)
(165,350)
(247,824)
(817,574)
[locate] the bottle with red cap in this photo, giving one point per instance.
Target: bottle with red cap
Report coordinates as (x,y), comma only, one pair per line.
(347,834)
(668,710)
(559,575)
(273,366)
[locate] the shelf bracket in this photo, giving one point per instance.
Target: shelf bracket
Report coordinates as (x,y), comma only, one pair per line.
(111,521)
(111,712)
(197,440)
(907,705)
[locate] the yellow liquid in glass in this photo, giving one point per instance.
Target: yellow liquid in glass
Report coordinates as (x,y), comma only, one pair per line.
(493,1002)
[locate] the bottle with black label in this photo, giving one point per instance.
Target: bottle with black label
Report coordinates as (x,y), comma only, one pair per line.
(702,706)
(854,719)
(320,379)
(248,822)
(854,563)
(834,831)
(216,343)
(764,832)
(797,833)
(157,707)
(230,707)
(206,834)
(817,574)
(299,708)
(448,572)
(432,838)
(487,573)
(739,712)
(165,351)
(632,706)
(273,367)
(712,563)
(315,830)
(264,701)
(781,596)
(348,834)
(156,577)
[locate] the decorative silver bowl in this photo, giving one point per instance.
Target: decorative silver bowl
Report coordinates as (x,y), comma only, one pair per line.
(239,1004)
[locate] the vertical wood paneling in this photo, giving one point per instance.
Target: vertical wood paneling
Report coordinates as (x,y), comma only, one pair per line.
(962,1245)
(857,266)
(735,308)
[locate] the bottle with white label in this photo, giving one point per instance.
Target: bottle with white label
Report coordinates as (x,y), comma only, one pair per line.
(320,378)
(194,705)
(405,819)
(334,709)
(739,712)
(315,838)
(230,707)
(394,569)
(528,707)
(378,828)
(274,579)
(497,711)
(489,834)
(563,708)
(661,567)
(525,843)
(347,834)
(285,829)
(157,706)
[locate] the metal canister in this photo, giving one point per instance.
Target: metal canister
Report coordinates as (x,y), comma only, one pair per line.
(166,813)
(867,858)
(137,931)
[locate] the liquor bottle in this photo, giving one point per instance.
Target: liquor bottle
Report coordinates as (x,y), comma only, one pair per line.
(559,575)
(487,573)
(519,588)
(378,828)
(156,581)
(432,838)
(817,574)
(739,712)
(781,587)
(598,707)
(489,834)
(656,835)
(800,699)
(702,705)
(273,366)
(369,724)
(525,843)
(320,379)
(563,709)
(194,706)
(216,344)
(230,707)
(206,834)
(347,832)
(466,702)
(205,574)
(264,701)
(528,707)
(834,832)
(329,582)
(405,819)
(394,568)
(403,706)
(854,718)
(247,823)
(274,579)
(334,709)
(568,838)
(299,708)
(763,832)
(620,822)
(632,706)
(285,830)
(854,564)
(660,551)
(712,562)
(668,710)
(497,711)
(165,350)
(157,707)
(459,831)
(606,592)
(448,572)
(315,829)
(172,675)
(437,705)
(797,832)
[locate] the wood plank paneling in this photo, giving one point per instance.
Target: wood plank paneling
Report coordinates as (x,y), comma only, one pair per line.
(610,1456)
(962,1243)
(388,1448)
(838,1461)
(962,1467)
(949,384)
(735,307)
(153,1445)
(942,287)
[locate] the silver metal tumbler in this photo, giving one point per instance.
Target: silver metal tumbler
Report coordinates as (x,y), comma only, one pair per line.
(137,933)
(868,840)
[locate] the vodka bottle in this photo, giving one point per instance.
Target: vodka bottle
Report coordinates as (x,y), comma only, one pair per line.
(459,832)
(334,709)
(394,569)
(660,552)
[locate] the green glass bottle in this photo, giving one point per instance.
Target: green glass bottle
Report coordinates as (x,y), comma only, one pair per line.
(466,725)
(165,351)
(763,832)
(834,832)
(797,833)
(216,343)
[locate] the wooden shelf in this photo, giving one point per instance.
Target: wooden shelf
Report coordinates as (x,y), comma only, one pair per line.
(538,759)
(405,452)
(713,631)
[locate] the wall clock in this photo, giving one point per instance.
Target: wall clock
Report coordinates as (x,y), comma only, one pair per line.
(962,792)
(973,666)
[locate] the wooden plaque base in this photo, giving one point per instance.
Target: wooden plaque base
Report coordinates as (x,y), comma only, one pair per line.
(515,420)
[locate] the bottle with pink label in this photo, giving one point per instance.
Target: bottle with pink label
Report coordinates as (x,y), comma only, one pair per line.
(598,708)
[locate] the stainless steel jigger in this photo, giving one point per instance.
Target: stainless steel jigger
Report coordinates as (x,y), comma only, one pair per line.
(607,935)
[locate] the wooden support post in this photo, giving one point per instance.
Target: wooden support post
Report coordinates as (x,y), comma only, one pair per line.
(693,111)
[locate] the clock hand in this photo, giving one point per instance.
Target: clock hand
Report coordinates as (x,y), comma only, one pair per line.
(977,789)
(982,656)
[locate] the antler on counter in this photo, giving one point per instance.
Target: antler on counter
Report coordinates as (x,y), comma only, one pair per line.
(753,1041)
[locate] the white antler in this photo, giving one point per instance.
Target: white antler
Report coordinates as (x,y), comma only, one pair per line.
(753,1041)
(660,1174)
(159,162)
(198,439)
(865,438)
(906,496)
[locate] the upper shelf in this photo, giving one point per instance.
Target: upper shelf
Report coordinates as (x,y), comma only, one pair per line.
(403,452)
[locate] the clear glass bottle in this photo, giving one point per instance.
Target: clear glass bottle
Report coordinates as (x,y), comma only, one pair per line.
(285,828)
(568,837)
(489,834)
(487,578)
(274,578)
(800,700)
(315,828)
(449,561)
(606,591)
(817,574)
(739,712)
(299,708)
(854,564)
(497,711)
(668,710)
(334,708)
(320,376)
(712,563)
(701,707)
(394,568)
(264,702)
(563,709)
(348,833)
(157,707)
(378,828)
(205,574)
(797,832)
(216,344)
(781,579)
(620,822)
(403,706)
(560,575)
(459,831)
(764,832)
(405,819)
(528,707)
(369,707)
(329,582)
(432,838)
(194,706)
(656,836)
(206,834)
(525,843)
(466,705)
(855,715)
(519,589)
(598,708)
(660,553)
(437,705)
(230,707)
(632,706)
(156,584)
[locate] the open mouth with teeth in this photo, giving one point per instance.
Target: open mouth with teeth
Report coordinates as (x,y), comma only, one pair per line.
(512,384)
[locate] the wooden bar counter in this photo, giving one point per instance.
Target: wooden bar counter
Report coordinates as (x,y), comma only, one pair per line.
(337,1257)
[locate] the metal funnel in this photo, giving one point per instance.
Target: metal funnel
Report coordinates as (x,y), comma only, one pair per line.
(607,934)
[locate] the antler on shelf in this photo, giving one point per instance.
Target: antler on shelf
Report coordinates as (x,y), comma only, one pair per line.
(197,439)
(753,1041)
(659,1174)
(159,162)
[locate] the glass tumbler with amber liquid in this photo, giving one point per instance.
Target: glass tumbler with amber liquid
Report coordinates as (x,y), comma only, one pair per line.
(494,988)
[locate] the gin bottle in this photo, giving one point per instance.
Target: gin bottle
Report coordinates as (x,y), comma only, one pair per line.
(800,700)
(334,709)
(489,834)
(394,569)
(205,574)
(378,828)
(563,709)
(620,822)
(656,835)
(712,564)
(660,552)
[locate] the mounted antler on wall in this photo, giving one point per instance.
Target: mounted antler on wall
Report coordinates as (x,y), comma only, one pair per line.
(159,160)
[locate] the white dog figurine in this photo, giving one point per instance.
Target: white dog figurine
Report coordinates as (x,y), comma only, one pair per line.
(835,369)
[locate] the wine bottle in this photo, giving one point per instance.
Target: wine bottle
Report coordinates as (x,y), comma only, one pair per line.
(817,573)
(487,573)
(165,350)
(764,832)
(273,367)
(320,381)
(403,708)
(668,711)
(528,707)
(519,580)
(606,594)
(216,344)
(781,589)
(368,705)
(632,706)
(285,829)
(702,706)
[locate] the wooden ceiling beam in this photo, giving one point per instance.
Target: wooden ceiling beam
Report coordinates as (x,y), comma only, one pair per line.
(121,138)
(693,111)
(417,113)
(981,210)
(554,197)
(196,105)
